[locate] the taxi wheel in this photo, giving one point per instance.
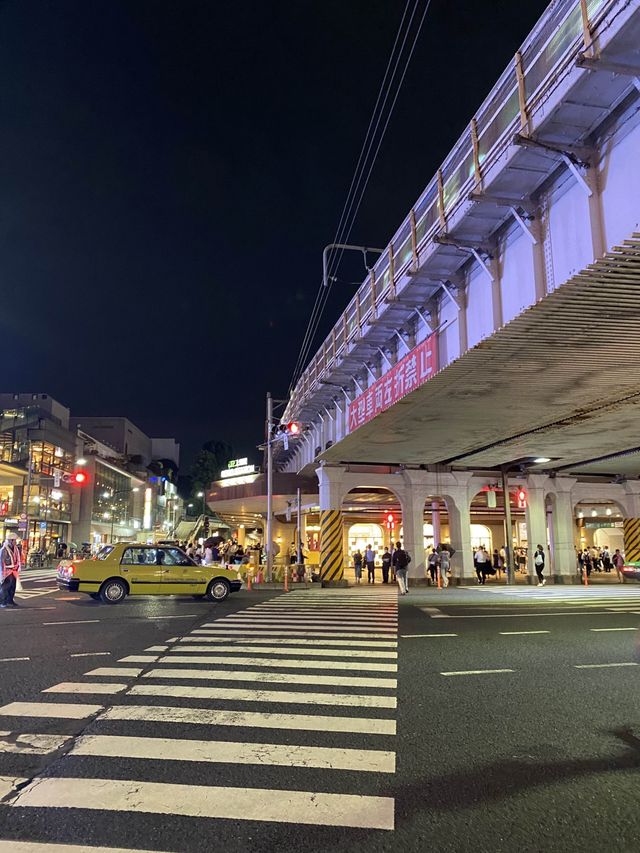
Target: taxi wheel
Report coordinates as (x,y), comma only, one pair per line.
(113,591)
(218,590)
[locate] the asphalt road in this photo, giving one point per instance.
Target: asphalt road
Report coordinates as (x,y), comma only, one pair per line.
(267,723)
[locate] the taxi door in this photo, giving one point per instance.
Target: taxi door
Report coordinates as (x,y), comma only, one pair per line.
(139,567)
(179,574)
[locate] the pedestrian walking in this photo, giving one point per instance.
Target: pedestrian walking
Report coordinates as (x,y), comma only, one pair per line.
(10,564)
(357,565)
(618,563)
(370,560)
(444,565)
(538,562)
(497,563)
(400,562)
(386,565)
(481,560)
(432,564)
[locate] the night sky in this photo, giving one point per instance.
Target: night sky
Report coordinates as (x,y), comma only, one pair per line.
(169,175)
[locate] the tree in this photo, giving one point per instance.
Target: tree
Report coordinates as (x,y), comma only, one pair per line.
(206,468)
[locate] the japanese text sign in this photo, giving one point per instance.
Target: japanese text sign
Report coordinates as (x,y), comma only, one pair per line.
(409,373)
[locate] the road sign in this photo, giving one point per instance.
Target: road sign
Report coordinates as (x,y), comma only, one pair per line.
(23,516)
(43,526)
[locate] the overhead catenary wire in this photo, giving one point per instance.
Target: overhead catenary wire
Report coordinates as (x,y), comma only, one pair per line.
(322,294)
(365,164)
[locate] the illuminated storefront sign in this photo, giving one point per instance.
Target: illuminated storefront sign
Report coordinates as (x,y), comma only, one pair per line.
(409,373)
(238,472)
(146,514)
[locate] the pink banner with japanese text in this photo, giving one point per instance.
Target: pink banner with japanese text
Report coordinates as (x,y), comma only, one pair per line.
(409,373)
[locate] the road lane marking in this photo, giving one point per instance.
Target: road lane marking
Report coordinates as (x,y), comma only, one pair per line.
(8,660)
(211,632)
(518,633)
(31,744)
(229,752)
(477,672)
(124,671)
(274,677)
(315,651)
(74,622)
(138,659)
(521,615)
(86,687)
(182,616)
(603,665)
(354,700)
(366,666)
(312,623)
(8,785)
(157,649)
(202,801)
(310,617)
(413,636)
(70,711)
(250,719)
(291,641)
(44,847)
(613,629)
(89,654)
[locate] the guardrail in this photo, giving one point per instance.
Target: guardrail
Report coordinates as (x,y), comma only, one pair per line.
(560,35)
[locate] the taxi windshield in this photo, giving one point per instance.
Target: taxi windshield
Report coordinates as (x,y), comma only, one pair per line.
(104,552)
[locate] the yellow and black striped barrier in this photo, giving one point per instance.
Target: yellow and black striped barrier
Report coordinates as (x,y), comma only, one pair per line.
(331,557)
(632,539)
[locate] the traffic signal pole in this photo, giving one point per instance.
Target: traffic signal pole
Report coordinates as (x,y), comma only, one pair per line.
(269,543)
(508,545)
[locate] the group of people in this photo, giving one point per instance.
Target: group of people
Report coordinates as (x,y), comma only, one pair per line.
(600,560)
(394,565)
(224,552)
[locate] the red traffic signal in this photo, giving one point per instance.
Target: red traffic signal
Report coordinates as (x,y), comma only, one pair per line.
(390,518)
(294,428)
(79,478)
(521,497)
(390,521)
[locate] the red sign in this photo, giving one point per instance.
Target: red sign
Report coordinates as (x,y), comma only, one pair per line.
(409,373)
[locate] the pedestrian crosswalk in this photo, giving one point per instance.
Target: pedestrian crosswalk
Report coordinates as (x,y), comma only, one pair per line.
(621,596)
(287,709)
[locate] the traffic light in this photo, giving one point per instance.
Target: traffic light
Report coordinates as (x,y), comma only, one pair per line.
(521,497)
(294,428)
(390,521)
(79,478)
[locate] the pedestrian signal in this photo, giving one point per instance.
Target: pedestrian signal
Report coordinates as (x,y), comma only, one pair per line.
(521,496)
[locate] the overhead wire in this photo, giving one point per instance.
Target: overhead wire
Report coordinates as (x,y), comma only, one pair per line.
(365,162)
(322,294)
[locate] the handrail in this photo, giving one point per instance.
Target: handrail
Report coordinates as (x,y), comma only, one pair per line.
(565,28)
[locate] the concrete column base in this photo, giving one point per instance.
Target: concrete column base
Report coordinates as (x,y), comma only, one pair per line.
(329,584)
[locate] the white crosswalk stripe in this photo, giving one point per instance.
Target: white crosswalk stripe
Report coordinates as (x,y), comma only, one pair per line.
(262,687)
(596,596)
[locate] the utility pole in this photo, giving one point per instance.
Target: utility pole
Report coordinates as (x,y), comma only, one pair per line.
(507,528)
(269,543)
(299,512)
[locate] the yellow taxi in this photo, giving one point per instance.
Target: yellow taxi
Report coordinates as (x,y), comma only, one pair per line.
(130,568)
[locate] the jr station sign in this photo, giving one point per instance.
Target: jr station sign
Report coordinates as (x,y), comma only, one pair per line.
(412,371)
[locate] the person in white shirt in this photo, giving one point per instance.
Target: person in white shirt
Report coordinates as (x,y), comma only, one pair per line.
(370,560)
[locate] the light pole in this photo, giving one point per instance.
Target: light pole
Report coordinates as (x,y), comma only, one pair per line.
(113,495)
(204,503)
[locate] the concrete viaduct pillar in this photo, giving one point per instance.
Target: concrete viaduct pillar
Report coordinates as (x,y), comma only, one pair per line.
(331,526)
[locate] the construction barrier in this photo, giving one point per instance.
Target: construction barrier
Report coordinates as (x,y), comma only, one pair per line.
(632,539)
(331,557)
